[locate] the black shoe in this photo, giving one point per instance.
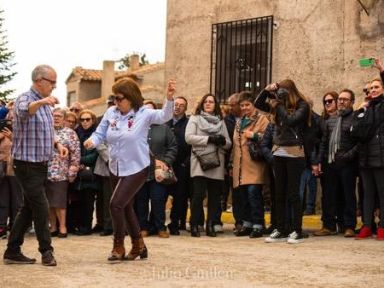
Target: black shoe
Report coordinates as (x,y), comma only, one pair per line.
(173,230)
(256,233)
(82,232)
(97,228)
(269,230)
(62,235)
(182,226)
(195,231)
(106,232)
(237,228)
(47,259)
(17,258)
(210,230)
(244,231)
(54,233)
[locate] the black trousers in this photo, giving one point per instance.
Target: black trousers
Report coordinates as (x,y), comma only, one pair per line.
(373,182)
(339,196)
(287,186)
(180,192)
(32,177)
(11,200)
(203,186)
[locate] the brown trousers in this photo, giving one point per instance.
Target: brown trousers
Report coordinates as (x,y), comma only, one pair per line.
(121,205)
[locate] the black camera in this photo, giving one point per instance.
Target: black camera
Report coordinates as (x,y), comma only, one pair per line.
(5,124)
(279,94)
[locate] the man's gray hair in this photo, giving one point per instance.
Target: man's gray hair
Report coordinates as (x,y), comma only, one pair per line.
(40,71)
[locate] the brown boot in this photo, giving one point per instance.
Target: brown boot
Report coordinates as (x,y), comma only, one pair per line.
(138,249)
(118,251)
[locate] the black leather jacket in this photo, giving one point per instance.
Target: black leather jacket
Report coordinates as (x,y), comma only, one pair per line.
(289,127)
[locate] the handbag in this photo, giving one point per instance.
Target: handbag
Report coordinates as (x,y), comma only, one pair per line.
(165,177)
(208,160)
(255,150)
(86,174)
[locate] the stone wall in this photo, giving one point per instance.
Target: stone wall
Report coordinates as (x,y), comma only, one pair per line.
(316,43)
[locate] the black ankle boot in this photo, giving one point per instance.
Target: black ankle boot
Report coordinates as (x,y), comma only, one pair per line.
(195,231)
(210,231)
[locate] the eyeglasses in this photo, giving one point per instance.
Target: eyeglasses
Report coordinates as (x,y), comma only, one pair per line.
(53,83)
(76,110)
(328,101)
(119,99)
(85,119)
(343,99)
(71,121)
(375,87)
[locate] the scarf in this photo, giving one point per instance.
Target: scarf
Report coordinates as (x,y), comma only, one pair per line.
(334,141)
(210,124)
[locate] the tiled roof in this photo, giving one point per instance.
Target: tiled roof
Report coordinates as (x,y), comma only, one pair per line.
(96,75)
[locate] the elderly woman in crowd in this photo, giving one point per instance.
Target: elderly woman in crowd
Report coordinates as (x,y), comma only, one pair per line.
(208,135)
(163,146)
(60,173)
(249,174)
(87,183)
(70,120)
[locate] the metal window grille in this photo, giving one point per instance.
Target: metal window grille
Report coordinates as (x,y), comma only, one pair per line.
(241,56)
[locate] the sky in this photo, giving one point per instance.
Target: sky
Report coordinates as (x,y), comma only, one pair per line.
(70,33)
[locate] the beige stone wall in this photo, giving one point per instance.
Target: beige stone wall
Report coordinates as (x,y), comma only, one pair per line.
(317,43)
(89,90)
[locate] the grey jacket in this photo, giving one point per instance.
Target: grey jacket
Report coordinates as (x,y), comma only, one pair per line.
(101,166)
(199,141)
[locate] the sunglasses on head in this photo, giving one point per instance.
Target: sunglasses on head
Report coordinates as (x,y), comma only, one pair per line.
(328,101)
(85,119)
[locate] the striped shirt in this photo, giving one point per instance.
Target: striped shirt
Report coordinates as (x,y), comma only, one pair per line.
(33,135)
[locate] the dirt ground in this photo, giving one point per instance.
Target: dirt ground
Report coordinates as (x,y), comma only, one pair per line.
(225,261)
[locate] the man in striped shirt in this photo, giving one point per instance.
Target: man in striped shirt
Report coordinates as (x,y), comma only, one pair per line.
(33,144)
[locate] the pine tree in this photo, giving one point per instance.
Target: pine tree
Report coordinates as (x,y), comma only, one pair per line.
(6,64)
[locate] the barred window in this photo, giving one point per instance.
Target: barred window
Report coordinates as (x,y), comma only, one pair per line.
(241,56)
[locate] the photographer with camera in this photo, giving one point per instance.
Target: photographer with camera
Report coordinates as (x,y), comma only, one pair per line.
(291,116)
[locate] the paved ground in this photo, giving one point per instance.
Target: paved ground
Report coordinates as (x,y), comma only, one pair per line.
(225,261)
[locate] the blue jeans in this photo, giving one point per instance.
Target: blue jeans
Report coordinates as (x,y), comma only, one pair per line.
(307,178)
(157,193)
(252,205)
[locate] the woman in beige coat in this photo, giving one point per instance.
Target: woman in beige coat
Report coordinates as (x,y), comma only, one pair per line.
(248,174)
(207,133)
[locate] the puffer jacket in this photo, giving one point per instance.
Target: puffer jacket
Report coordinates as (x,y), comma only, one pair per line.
(290,127)
(347,151)
(371,154)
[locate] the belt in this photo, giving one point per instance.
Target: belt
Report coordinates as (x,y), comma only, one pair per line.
(42,163)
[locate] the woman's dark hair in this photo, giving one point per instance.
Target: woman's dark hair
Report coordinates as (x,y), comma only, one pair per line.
(334,95)
(150,102)
(200,106)
(130,90)
(246,96)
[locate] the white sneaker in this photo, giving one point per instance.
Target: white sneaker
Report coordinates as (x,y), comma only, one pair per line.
(295,238)
(276,236)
